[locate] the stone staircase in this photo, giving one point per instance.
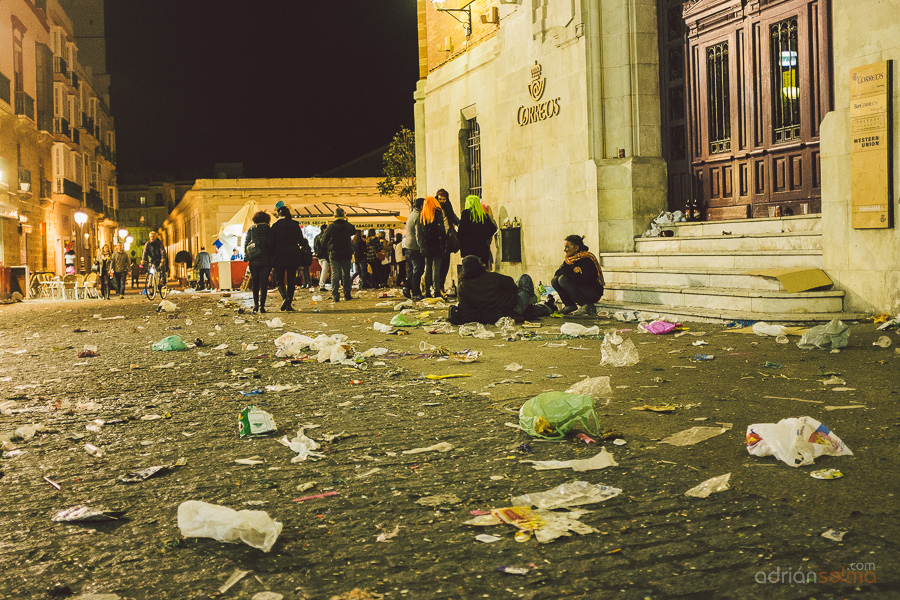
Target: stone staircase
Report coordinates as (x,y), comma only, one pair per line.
(700,273)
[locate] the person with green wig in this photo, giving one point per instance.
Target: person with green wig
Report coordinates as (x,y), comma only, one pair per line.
(476,229)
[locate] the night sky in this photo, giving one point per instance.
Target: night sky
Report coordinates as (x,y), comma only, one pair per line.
(290,88)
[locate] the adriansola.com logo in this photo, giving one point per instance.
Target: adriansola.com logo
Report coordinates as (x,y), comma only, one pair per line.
(856,573)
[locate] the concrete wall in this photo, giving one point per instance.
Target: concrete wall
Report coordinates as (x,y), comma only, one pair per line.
(561,175)
(862,262)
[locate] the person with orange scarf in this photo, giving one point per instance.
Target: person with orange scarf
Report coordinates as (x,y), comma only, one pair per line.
(579,281)
(434,240)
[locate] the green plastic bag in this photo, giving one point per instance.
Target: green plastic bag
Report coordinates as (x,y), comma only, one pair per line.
(401,320)
(552,415)
(173,342)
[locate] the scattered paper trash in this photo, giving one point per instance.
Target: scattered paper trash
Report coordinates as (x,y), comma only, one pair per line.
(826,474)
(252,461)
(765,329)
(694,435)
(304,446)
(253,527)
(576,330)
(173,342)
(795,441)
(546,525)
(512,570)
(267,596)
(552,415)
(439,447)
(86,513)
(254,421)
(575,493)
(439,500)
(601,460)
(147,473)
(837,536)
(710,486)
(292,344)
(514,367)
(487,539)
(834,335)
(385,536)
(476,330)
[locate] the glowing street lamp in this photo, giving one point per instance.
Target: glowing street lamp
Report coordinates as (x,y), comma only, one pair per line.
(81,217)
(123,233)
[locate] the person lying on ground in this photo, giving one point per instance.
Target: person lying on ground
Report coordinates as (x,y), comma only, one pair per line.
(485,296)
(579,281)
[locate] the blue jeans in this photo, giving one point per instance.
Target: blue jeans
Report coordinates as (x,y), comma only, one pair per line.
(340,276)
(414,273)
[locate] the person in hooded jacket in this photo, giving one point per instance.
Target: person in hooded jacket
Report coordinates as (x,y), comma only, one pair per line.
(451,222)
(339,241)
(285,241)
(258,255)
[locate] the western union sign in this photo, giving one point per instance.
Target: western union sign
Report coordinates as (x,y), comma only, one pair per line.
(870,145)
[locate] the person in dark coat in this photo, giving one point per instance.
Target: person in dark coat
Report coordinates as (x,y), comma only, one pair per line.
(359,260)
(306,256)
(373,248)
(476,229)
(258,256)
(434,242)
(339,241)
(485,296)
(579,281)
(451,222)
(285,241)
(321,252)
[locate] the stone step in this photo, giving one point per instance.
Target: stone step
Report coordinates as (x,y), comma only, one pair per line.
(713,260)
(695,278)
(744,301)
(705,315)
(798,223)
(757,242)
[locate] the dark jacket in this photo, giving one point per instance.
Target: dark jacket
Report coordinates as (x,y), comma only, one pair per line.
(319,247)
(256,245)
(475,237)
(359,250)
(203,260)
(120,262)
(154,252)
(306,254)
(434,240)
(338,239)
(285,239)
(583,273)
(373,247)
(447,208)
(487,297)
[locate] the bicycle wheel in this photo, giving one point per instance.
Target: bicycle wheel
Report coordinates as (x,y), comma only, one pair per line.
(163,291)
(150,286)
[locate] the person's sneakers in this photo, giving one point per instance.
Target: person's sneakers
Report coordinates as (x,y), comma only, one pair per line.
(567,310)
(406,293)
(587,310)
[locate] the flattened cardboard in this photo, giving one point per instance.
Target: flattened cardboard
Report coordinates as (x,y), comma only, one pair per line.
(797,279)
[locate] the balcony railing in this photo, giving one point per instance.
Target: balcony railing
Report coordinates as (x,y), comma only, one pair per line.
(93,201)
(87,123)
(61,127)
(24,180)
(69,188)
(24,105)
(5,89)
(76,136)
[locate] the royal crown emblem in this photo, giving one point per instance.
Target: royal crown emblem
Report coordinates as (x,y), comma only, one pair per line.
(536,87)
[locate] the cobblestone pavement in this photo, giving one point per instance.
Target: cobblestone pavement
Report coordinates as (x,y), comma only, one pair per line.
(756,540)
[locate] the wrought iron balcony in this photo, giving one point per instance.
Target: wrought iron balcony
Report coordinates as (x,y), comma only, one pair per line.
(5,89)
(24,105)
(69,188)
(93,201)
(61,128)
(60,69)
(73,79)
(76,137)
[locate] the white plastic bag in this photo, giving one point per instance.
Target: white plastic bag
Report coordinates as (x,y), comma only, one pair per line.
(763,329)
(476,330)
(292,344)
(382,327)
(795,442)
(253,527)
(275,323)
(834,334)
(618,353)
(595,387)
(575,330)
(168,306)
(710,486)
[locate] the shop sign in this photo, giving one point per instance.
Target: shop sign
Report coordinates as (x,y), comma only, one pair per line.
(542,109)
(870,145)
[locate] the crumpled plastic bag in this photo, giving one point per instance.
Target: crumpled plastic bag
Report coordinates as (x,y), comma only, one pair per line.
(275,323)
(616,352)
(292,344)
(834,334)
(694,435)
(575,493)
(710,486)
(335,353)
(595,387)
(658,327)
(475,330)
(575,330)
(168,306)
(763,329)
(401,320)
(795,441)
(382,327)
(552,415)
(253,527)
(304,446)
(173,342)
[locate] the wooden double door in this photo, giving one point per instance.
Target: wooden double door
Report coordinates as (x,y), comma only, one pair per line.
(744,87)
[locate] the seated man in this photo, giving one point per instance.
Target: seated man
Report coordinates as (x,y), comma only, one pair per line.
(579,281)
(485,296)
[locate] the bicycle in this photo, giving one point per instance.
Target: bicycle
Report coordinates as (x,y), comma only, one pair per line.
(153,284)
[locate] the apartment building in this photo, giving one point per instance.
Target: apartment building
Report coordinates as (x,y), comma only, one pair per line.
(57,138)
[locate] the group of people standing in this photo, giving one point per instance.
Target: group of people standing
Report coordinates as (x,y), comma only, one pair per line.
(434,233)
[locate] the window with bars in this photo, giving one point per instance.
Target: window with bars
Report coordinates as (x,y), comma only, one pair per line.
(785,81)
(473,146)
(718,98)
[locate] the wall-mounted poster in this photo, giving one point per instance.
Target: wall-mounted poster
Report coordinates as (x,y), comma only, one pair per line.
(870,145)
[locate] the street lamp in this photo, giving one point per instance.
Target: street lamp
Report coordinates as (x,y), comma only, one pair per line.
(123,233)
(465,20)
(81,217)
